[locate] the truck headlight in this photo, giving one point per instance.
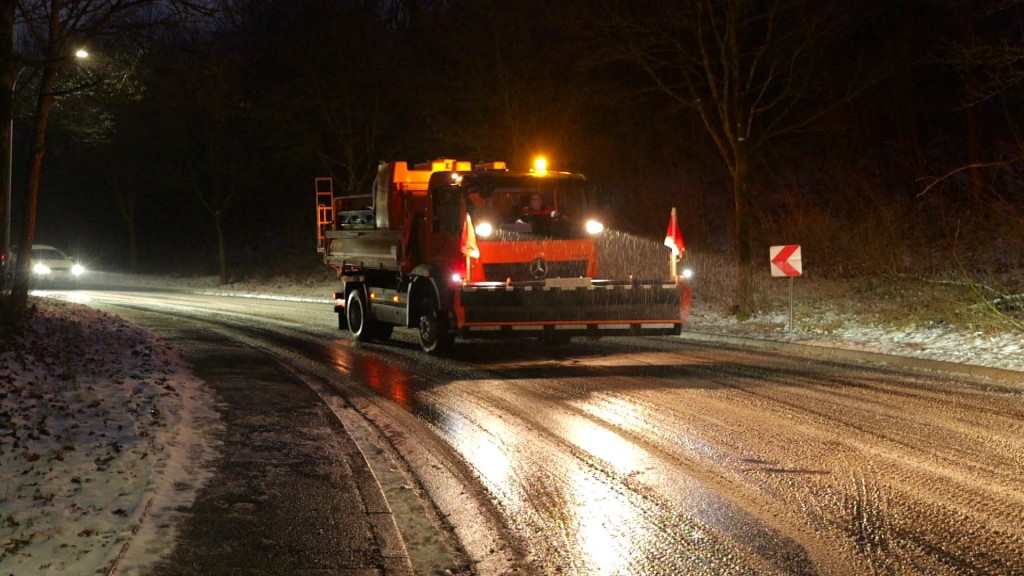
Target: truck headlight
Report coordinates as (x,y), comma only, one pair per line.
(484,229)
(41,269)
(687,273)
(77,270)
(594,227)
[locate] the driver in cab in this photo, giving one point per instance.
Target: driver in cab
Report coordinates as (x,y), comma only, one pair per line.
(536,208)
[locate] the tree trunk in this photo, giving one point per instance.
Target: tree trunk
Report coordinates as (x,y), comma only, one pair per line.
(126,203)
(973,111)
(133,241)
(221,255)
(17,306)
(905,109)
(976,153)
(744,223)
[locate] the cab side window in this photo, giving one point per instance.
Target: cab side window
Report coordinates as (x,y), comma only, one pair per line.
(445,206)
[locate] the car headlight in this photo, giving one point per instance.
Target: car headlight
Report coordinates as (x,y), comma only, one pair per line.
(484,229)
(41,269)
(594,227)
(687,273)
(77,270)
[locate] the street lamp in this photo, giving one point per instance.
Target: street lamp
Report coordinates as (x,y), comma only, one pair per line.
(80,54)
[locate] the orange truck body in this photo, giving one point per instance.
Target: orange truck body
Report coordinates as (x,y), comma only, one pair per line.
(453,250)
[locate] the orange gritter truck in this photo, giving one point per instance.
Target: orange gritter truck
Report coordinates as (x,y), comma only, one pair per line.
(457,250)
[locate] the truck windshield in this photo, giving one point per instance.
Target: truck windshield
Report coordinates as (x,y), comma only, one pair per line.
(534,205)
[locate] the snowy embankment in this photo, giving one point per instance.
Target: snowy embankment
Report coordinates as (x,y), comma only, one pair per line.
(1004,350)
(103,433)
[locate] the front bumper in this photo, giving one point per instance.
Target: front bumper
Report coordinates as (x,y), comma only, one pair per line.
(573,307)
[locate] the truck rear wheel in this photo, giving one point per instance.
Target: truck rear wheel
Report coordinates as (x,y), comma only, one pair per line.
(433,329)
(359,320)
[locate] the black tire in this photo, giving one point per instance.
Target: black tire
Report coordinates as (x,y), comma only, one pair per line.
(433,329)
(359,320)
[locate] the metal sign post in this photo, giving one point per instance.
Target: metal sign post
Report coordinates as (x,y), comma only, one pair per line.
(791,303)
(787,261)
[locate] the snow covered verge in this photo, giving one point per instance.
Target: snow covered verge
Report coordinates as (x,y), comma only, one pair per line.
(1004,350)
(103,434)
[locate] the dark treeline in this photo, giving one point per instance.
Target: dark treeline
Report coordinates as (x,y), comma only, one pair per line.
(881,136)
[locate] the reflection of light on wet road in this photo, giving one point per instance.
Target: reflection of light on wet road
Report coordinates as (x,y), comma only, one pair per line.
(621,508)
(579,476)
(605,444)
(485,451)
(602,516)
(385,379)
(480,441)
(76,297)
(608,531)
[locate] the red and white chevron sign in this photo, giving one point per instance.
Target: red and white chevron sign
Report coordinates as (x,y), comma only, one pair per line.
(786,260)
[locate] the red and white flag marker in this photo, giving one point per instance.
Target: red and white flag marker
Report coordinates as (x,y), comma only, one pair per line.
(468,246)
(674,240)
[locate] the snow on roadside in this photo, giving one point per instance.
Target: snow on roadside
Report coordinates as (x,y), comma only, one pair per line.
(103,433)
(1003,350)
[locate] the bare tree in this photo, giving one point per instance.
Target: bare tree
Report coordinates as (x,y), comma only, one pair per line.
(750,70)
(217,178)
(127,201)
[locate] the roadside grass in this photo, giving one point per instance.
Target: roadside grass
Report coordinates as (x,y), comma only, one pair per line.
(896,301)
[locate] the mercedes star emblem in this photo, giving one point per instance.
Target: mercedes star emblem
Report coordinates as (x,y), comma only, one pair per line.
(538,268)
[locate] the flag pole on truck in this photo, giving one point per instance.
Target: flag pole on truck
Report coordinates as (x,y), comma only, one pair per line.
(674,240)
(469,246)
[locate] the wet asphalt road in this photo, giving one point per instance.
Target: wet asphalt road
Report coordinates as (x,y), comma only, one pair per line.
(656,456)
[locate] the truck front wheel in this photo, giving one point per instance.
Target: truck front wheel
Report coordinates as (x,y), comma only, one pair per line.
(433,330)
(359,320)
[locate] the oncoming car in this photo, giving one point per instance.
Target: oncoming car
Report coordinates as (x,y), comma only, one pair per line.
(49,263)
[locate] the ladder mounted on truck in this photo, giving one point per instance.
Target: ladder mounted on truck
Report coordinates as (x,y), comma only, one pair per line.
(324,209)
